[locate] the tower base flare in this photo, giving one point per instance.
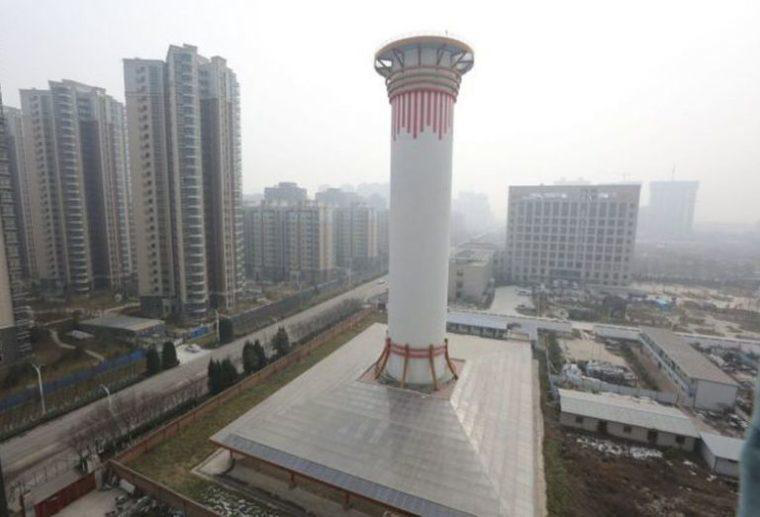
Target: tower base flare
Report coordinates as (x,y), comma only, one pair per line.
(437,379)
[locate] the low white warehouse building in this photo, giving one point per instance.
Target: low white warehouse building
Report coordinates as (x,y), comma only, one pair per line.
(721,453)
(629,418)
(700,383)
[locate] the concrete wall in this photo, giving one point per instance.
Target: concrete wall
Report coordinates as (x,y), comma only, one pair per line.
(714,395)
(636,434)
(617,332)
(587,423)
(641,434)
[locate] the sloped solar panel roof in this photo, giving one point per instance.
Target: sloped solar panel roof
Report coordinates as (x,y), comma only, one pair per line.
(471,454)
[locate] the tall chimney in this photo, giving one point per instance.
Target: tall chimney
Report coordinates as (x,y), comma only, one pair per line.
(422,75)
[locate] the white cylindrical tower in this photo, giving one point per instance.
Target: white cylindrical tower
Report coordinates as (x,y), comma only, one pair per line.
(422,75)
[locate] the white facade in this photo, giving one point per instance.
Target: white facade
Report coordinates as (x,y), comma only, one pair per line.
(574,233)
(422,76)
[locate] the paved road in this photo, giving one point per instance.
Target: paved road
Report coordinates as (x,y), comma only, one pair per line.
(46,443)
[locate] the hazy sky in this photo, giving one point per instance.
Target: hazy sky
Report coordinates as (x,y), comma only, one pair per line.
(567,89)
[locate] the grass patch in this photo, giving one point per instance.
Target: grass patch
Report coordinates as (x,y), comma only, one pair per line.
(171,462)
(558,490)
(557,485)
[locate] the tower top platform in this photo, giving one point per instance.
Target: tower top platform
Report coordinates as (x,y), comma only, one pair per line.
(429,62)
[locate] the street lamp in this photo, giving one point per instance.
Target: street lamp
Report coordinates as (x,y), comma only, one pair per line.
(39,383)
(218,334)
(108,396)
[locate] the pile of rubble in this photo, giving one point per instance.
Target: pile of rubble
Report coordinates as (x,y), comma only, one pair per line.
(611,448)
(229,505)
(612,373)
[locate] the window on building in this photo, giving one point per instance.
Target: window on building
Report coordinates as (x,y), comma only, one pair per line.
(578,419)
(627,429)
(680,440)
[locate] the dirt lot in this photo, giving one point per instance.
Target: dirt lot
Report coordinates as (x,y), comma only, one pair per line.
(583,480)
(599,483)
(585,349)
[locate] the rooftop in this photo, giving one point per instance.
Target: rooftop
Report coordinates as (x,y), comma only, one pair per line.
(500,321)
(119,321)
(471,454)
(473,256)
(693,363)
(724,447)
(627,410)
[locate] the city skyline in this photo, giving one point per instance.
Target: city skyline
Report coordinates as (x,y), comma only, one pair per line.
(626,110)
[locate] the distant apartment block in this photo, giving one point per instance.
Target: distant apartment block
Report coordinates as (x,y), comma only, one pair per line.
(383,242)
(14,313)
(355,229)
(475,209)
(291,242)
(183,117)
(77,208)
(355,237)
(285,192)
(670,213)
(571,232)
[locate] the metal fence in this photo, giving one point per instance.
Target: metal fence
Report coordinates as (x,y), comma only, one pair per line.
(72,379)
(254,319)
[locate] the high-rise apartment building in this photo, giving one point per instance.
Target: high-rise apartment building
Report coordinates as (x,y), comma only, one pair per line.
(76,171)
(355,228)
(383,241)
(285,192)
(291,242)
(355,236)
(14,312)
(571,232)
(14,138)
(183,116)
(670,213)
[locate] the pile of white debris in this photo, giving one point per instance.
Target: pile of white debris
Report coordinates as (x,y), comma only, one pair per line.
(611,448)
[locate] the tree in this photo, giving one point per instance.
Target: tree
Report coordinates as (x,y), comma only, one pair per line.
(254,358)
(169,356)
(213,377)
(281,342)
(261,356)
(228,374)
(152,361)
(249,359)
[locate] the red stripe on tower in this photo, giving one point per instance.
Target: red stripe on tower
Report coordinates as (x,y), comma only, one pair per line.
(440,116)
(423,95)
(429,96)
(415,106)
